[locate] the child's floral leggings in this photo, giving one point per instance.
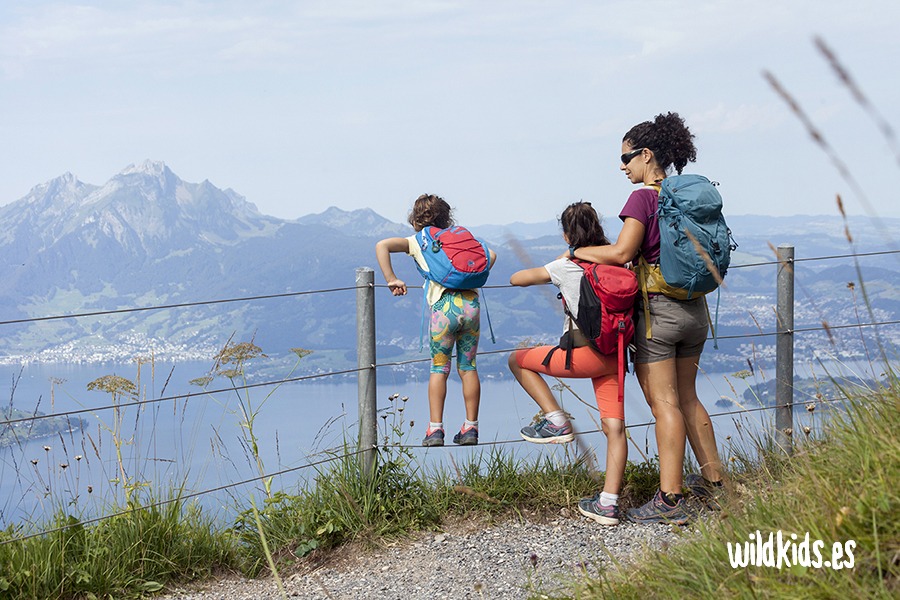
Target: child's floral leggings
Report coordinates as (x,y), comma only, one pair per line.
(455,321)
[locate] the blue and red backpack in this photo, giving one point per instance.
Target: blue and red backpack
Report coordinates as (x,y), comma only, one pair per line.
(456,259)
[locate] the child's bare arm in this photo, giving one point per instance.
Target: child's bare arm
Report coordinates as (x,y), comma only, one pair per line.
(533,276)
(383,250)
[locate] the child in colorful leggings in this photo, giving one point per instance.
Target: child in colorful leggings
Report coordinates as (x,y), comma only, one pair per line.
(455,322)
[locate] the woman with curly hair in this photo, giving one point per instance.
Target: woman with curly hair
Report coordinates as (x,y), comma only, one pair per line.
(666,364)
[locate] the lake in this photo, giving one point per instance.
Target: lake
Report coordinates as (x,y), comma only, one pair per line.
(199,443)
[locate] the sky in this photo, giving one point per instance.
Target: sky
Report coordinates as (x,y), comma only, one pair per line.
(510,110)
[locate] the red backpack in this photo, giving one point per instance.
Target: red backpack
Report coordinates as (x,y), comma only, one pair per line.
(605,312)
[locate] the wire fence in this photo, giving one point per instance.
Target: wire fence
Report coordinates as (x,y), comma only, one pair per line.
(8,423)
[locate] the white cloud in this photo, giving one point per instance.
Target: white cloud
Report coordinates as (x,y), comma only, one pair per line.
(724,119)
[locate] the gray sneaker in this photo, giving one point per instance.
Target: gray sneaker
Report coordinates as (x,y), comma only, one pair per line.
(433,437)
(657,511)
(592,509)
(469,437)
(545,432)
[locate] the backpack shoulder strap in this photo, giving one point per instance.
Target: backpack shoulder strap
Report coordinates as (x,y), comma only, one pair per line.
(643,270)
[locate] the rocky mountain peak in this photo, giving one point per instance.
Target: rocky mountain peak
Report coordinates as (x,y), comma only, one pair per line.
(355,222)
(154,168)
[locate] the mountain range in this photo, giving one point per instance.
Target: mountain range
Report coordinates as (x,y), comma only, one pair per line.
(146,238)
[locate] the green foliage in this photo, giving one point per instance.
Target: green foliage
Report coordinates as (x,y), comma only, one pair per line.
(839,489)
(641,481)
(125,556)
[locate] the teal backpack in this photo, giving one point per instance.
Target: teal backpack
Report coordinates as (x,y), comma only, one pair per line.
(695,244)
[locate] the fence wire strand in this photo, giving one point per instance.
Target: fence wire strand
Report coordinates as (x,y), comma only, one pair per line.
(635,425)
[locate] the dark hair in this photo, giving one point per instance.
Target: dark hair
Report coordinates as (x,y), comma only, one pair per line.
(667,137)
(582,226)
(429,209)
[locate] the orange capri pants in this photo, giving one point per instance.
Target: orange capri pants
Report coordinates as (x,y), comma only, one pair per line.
(586,363)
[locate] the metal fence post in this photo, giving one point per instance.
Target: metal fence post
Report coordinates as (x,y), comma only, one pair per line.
(784,352)
(365,352)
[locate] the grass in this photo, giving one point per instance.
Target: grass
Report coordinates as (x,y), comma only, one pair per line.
(124,556)
(839,488)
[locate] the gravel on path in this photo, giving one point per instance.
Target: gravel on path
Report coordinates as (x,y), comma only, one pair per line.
(512,559)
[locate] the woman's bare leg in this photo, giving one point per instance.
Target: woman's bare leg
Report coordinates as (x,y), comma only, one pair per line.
(659,382)
(697,423)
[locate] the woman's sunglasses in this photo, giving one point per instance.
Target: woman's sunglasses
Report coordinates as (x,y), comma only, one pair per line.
(629,156)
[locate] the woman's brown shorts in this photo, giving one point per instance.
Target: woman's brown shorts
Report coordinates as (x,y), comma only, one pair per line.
(678,329)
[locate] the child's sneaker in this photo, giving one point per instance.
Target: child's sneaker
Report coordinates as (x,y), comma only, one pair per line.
(657,511)
(592,509)
(433,437)
(545,432)
(466,437)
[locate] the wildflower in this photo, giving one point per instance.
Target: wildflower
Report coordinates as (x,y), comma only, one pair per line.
(46,448)
(90,489)
(788,431)
(811,407)
(839,518)
(405,398)
(115,385)
(851,285)
(727,438)
(806,430)
(393,396)
(301,352)
(34,461)
(412,424)
(534,559)
(78,457)
(63,466)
